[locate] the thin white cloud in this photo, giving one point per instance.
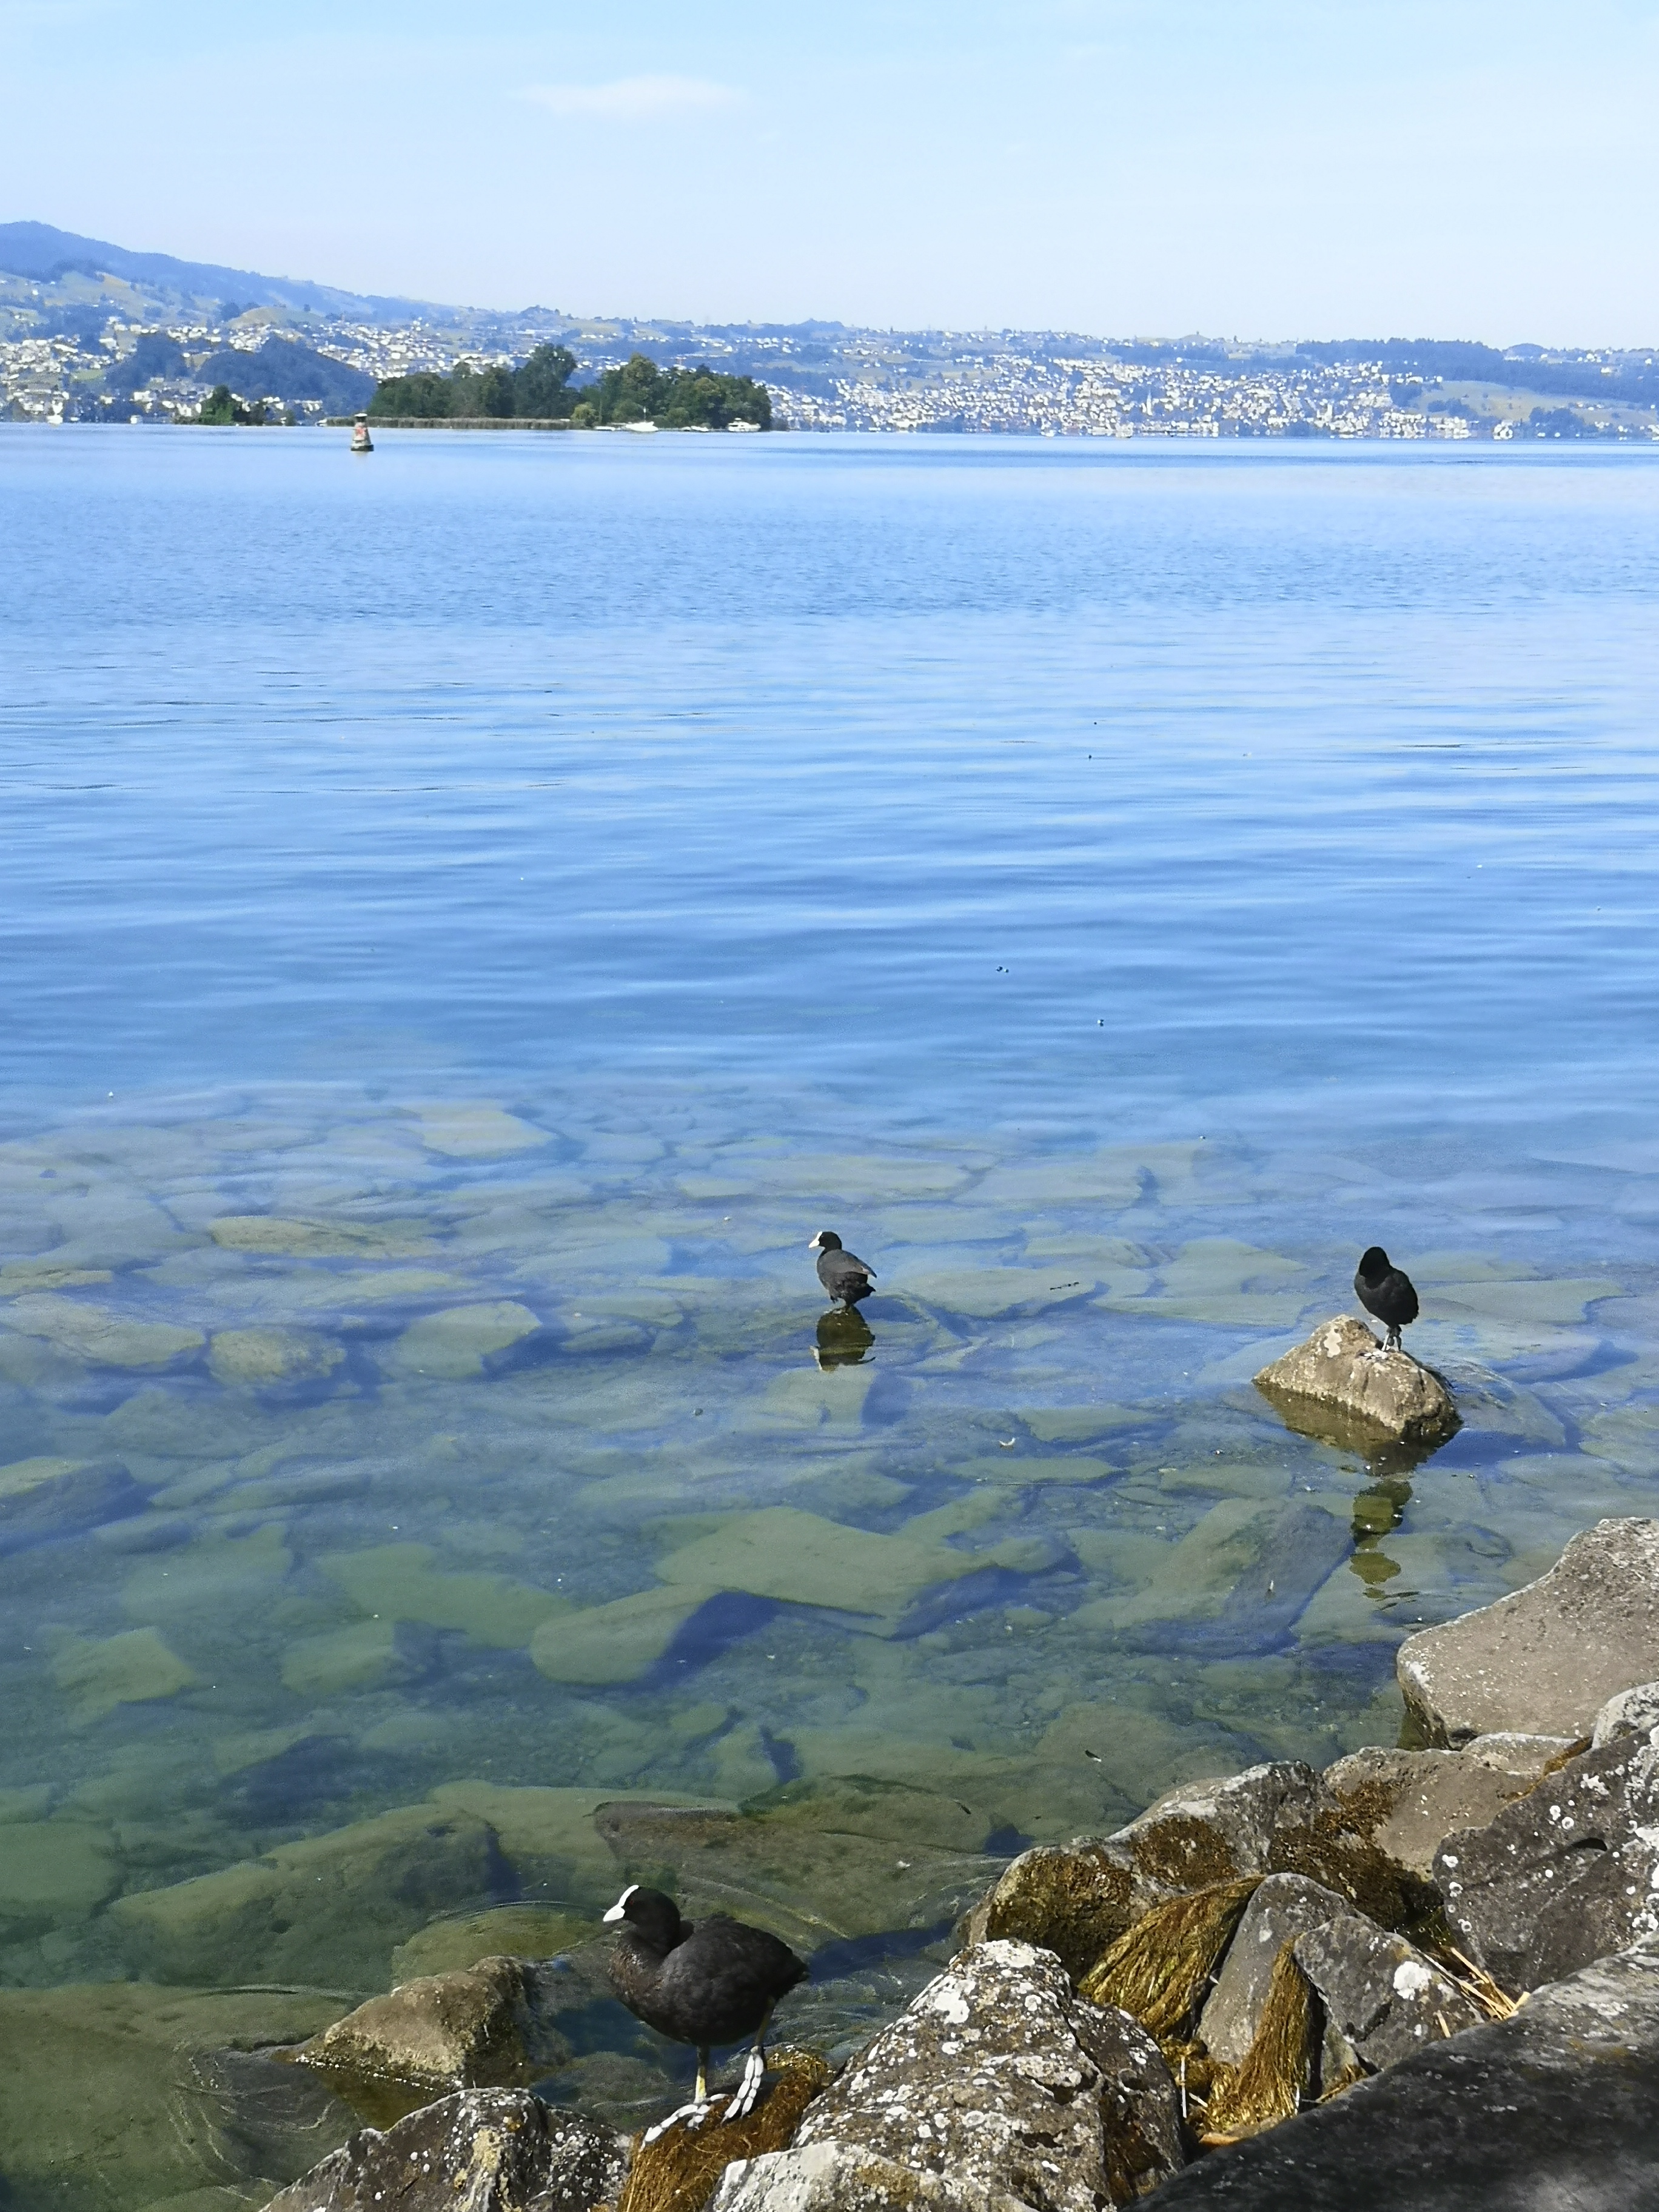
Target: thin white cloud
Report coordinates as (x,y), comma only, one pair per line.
(634,99)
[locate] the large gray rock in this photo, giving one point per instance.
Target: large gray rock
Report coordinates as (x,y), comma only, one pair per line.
(1381,1995)
(1409,1801)
(1554,2110)
(1566,1874)
(1547,1657)
(1287,1905)
(483,2150)
(1342,1366)
(830,2176)
(1632,1712)
(996,2079)
(473,2029)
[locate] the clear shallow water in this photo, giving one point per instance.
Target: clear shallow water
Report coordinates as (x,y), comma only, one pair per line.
(470,917)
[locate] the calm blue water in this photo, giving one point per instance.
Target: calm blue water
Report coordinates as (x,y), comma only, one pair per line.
(469,916)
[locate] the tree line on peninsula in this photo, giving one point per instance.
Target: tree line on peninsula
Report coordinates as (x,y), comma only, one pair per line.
(540,390)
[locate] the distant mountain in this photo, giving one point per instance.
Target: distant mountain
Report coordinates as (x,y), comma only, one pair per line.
(37,251)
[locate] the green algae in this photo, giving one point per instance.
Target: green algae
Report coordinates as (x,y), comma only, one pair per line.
(614,1642)
(398,1582)
(96,1676)
(53,1869)
(455,1344)
(513,1931)
(262,1357)
(800,1559)
(145,2121)
(269,1235)
(95,1334)
(476,1131)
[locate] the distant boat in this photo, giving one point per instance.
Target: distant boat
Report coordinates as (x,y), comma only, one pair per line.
(360,440)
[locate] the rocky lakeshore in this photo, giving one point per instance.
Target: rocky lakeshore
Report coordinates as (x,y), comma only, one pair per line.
(1427,1978)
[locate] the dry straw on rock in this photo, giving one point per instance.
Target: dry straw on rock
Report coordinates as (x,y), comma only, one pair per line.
(680,2171)
(1159,1970)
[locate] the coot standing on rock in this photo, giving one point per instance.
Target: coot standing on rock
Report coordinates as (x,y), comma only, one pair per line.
(703,1983)
(1386,1291)
(843,1275)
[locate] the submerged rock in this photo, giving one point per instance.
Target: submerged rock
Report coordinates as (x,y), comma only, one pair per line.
(481,2150)
(1341,1365)
(1549,1655)
(111,2092)
(1566,1875)
(470,2029)
(1000,2082)
(1556,2107)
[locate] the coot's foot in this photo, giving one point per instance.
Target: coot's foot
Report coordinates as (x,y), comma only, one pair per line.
(748,2089)
(692,2115)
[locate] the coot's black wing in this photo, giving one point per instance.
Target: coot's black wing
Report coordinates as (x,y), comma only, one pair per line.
(844,1275)
(1391,1297)
(720,1983)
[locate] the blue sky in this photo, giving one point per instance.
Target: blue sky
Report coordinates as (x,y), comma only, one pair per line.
(1265,168)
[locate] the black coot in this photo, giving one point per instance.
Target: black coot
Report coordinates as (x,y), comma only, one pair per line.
(711,1981)
(1386,1291)
(843,1275)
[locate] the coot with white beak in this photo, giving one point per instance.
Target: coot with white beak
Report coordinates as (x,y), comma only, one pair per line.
(842,1273)
(711,1981)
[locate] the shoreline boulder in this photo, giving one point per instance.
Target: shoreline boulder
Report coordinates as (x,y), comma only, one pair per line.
(480,2150)
(998,2084)
(1565,1876)
(1342,1368)
(1558,2106)
(1548,1656)
(474,2029)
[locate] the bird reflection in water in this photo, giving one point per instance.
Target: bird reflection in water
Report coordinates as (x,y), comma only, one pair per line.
(843,1338)
(1379,1511)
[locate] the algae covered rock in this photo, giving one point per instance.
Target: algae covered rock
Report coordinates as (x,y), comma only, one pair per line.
(481,2150)
(1074,1900)
(1342,1367)
(997,2079)
(1547,1657)
(1407,1802)
(1566,1874)
(326,1910)
(473,2028)
(259,1359)
(678,2171)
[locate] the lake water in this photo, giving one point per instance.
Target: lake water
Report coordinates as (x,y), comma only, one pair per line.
(471,915)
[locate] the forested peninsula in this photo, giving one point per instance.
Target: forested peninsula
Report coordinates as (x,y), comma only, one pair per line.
(540,390)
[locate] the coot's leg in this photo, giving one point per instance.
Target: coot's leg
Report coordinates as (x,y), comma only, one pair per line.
(754,2073)
(693,2114)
